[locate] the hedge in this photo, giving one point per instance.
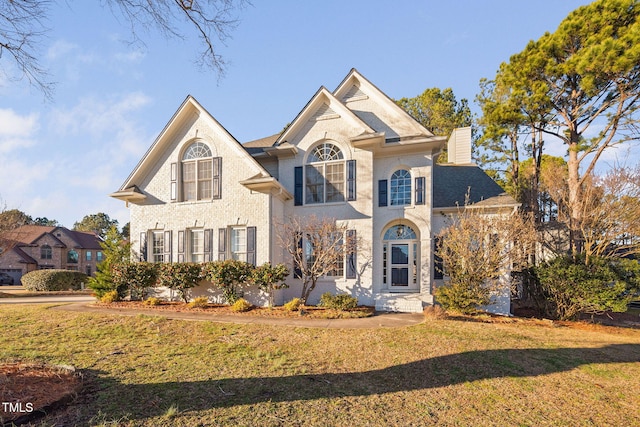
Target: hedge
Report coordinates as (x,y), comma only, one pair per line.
(54,280)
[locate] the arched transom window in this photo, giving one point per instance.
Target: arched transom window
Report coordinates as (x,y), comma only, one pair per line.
(198,172)
(400,188)
(325,174)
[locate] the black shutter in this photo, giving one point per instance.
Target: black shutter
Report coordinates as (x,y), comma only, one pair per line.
(143,246)
(222,244)
(251,245)
(167,246)
(297,272)
(208,244)
(382,192)
(420,190)
(352,269)
(297,186)
(180,245)
(216,184)
(351,180)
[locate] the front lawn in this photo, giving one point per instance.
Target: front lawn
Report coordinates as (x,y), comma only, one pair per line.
(150,371)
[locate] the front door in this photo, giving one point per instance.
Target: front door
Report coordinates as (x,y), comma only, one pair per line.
(400,259)
(399,265)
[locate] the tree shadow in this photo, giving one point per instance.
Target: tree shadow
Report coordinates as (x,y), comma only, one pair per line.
(139,401)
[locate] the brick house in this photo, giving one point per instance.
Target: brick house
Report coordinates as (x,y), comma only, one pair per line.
(352,154)
(34,247)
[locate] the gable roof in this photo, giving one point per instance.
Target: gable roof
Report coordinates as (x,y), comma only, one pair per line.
(30,234)
(189,106)
(322,103)
(454,185)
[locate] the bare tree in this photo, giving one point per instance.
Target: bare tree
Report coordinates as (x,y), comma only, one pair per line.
(22,29)
(478,250)
(317,246)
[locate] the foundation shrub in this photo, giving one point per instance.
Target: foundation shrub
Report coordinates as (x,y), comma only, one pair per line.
(109,297)
(341,302)
(293,305)
(241,305)
(199,302)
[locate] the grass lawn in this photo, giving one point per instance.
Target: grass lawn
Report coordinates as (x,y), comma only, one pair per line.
(149,371)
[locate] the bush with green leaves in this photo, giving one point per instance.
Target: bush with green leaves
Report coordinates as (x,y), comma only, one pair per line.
(566,287)
(228,275)
(341,302)
(463,297)
(180,276)
(116,250)
(53,280)
(270,278)
(137,277)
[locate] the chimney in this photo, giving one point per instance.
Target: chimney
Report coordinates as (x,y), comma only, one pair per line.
(459,146)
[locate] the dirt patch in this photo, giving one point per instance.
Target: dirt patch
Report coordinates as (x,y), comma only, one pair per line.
(310,312)
(28,391)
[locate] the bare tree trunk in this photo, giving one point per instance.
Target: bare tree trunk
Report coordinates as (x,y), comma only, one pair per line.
(575,196)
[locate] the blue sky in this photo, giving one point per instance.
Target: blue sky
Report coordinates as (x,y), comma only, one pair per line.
(61,158)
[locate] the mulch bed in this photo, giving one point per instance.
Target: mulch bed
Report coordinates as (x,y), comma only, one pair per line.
(29,391)
(311,312)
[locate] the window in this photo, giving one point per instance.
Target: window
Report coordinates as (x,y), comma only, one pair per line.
(88,255)
(157,246)
(197,245)
(345,265)
(46,252)
(98,256)
(400,188)
(200,174)
(325,175)
(88,270)
(72,257)
(239,244)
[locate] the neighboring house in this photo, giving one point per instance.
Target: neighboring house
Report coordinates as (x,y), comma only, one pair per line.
(351,154)
(36,247)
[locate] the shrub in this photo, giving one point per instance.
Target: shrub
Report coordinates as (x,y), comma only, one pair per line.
(109,297)
(565,287)
(199,302)
(137,277)
(152,301)
(241,305)
(116,250)
(180,276)
(293,305)
(463,297)
(269,278)
(341,302)
(228,275)
(53,280)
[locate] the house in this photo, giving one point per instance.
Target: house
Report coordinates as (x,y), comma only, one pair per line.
(351,154)
(36,247)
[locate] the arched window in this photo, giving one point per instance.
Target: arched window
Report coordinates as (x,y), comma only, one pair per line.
(324,174)
(400,188)
(72,257)
(46,252)
(200,173)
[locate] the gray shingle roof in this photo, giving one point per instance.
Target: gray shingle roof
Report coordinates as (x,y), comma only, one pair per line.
(452,183)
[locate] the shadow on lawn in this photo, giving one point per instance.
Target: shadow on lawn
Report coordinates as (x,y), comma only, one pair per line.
(139,401)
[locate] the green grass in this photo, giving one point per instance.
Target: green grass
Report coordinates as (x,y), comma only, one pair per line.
(150,371)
